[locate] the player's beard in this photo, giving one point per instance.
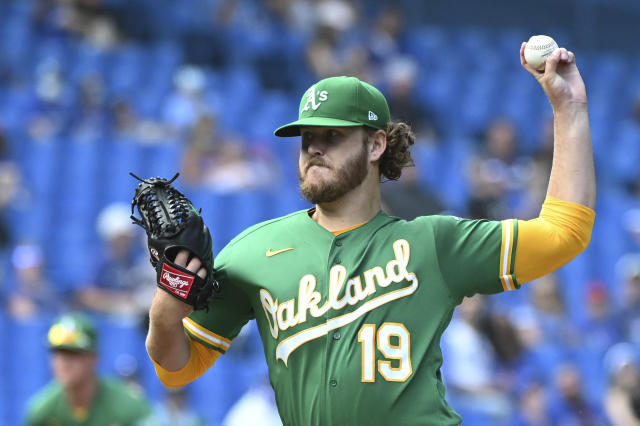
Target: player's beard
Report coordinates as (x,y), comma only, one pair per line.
(349,176)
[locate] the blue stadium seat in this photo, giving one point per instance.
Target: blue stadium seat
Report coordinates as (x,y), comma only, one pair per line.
(225,380)
(287,200)
(162,159)
(425,43)
(230,214)
(88,61)
(273,110)
(16,40)
(165,54)
(574,278)
(120,339)
(82,161)
(453,185)
(478,104)
(12,114)
(27,361)
(40,166)
(594,377)
(51,50)
(441,87)
(6,391)
(625,154)
(239,93)
(523,102)
(121,157)
(128,69)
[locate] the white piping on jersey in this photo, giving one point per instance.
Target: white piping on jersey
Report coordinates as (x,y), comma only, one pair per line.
(290,344)
(505,260)
(282,316)
(207,337)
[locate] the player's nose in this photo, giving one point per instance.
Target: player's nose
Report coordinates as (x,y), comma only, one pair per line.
(315,148)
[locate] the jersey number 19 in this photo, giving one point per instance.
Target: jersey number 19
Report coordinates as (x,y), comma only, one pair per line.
(394,343)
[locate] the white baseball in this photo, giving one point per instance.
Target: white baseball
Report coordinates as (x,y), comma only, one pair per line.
(537,49)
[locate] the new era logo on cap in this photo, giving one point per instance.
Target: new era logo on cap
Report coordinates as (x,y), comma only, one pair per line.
(373,116)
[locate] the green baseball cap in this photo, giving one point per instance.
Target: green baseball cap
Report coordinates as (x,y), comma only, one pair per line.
(339,102)
(73,332)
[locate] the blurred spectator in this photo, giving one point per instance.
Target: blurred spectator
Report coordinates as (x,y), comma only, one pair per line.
(31,293)
(322,56)
(503,335)
(298,14)
(541,169)
(408,199)
(78,395)
(126,124)
(90,120)
(126,368)
(625,153)
(622,400)
(203,147)
(186,104)
(533,410)
(329,53)
(124,282)
(257,407)
(573,407)
(10,184)
(48,114)
(499,175)
(628,268)
(471,366)
(401,74)
(601,329)
(174,410)
(337,15)
(223,165)
(386,36)
(234,170)
(527,326)
(88,19)
(631,224)
(551,312)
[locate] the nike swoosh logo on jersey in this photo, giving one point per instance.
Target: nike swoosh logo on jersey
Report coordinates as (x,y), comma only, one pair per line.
(274,252)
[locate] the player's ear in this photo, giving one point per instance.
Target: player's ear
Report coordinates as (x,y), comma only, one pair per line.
(376,144)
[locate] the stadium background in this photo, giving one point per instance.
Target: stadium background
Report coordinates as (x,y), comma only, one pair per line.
(93,89)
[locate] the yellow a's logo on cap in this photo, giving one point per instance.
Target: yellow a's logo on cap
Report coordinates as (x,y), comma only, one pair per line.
(311,98)
(61,335)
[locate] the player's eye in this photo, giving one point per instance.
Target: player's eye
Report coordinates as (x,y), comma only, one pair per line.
(333,135)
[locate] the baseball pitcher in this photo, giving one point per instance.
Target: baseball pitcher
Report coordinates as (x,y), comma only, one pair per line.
(351,303)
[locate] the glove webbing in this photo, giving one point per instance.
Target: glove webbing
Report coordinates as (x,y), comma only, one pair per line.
(159,214)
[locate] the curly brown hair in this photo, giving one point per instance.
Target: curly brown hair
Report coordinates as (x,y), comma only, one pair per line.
(396,156)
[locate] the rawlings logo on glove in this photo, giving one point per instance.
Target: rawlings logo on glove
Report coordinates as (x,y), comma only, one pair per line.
(175,282)
(173,224)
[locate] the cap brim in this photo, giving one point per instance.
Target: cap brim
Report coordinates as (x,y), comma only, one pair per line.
(70,348)
(293,129)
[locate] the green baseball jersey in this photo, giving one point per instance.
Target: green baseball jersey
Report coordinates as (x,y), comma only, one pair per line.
(115,403)
(351,323)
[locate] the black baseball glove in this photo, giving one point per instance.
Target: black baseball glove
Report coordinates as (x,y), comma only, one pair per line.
(173,224)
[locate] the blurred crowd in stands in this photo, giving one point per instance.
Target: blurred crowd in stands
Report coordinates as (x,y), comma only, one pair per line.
(207,81)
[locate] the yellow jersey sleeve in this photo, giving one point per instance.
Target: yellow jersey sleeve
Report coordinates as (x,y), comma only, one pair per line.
(200,360)
(550,241)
